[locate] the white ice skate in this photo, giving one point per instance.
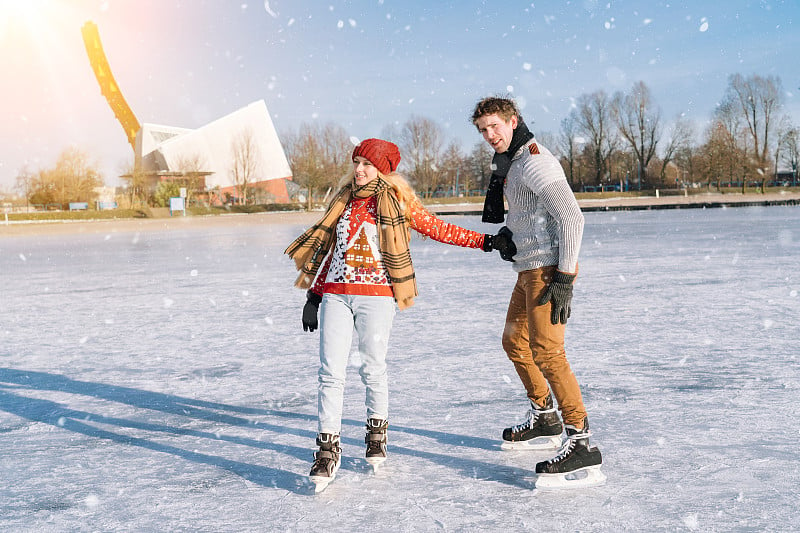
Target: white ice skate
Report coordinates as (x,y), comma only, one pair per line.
(326,461)
(375,440)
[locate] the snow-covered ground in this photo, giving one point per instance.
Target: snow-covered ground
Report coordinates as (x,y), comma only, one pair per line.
(161,381)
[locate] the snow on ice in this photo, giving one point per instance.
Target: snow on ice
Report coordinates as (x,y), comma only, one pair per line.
(136,397)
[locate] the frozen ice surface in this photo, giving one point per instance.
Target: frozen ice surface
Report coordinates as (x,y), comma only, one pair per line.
(161,381)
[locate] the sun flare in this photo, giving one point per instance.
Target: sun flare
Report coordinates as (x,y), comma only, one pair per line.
(27,16)
(22,10)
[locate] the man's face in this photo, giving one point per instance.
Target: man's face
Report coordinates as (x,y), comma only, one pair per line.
(496,131)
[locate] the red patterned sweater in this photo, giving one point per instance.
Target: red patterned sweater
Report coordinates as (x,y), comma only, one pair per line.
(354,265)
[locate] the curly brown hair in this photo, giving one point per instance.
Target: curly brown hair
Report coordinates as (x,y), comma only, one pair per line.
(504,108)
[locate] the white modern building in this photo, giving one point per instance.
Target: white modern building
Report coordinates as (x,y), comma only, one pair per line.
(243,143)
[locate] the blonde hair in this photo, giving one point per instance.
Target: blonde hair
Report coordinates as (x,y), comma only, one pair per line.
(402,189)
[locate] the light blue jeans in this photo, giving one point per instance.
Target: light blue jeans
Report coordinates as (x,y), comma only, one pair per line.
(371,317)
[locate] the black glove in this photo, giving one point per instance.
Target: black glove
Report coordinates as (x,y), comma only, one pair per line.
(559,292)
(310,322)
(502,243)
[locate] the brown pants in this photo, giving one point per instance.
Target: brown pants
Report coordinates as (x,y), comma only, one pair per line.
(536,347)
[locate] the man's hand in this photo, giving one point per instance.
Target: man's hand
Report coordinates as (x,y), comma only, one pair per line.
(310,322)
(502,242)
(559,293)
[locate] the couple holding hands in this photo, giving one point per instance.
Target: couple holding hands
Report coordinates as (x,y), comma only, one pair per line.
(356,266)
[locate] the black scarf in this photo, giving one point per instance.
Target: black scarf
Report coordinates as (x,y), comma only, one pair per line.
(494,207)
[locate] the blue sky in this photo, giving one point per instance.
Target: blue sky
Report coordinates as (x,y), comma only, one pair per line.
(366,65)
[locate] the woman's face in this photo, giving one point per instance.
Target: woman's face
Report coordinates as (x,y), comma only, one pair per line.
(364,170)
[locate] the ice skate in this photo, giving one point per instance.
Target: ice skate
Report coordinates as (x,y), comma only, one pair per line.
(577,464)
(376,442)
(541,431)
(326,461)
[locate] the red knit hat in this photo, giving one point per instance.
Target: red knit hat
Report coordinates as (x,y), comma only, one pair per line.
(383,154)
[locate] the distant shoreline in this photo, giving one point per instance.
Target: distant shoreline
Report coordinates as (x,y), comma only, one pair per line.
(652,202)
(132,225)
(302,218)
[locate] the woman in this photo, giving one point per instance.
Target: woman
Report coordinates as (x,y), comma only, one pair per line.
(361,243)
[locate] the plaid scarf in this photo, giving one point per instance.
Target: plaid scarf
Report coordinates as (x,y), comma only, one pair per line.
(311,248)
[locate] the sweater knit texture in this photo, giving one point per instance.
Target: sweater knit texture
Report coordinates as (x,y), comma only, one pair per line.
(543,213)
(354,265)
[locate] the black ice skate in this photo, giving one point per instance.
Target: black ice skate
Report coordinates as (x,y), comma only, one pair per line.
(576,465)
(541,431)
(376,442)
(326,461)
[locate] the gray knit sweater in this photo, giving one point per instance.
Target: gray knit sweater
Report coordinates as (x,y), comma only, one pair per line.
(543,213)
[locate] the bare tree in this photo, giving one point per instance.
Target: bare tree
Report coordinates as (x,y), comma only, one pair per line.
(680,137)
(479,164)
(568,146)
(191,167)
(759,102)
(731,137)
(73,179)
(639,123)
(136,192)
(319,157)
(245,156)
(24,182)
(593,116)
(721,155)
(788,150)
(687,157)
(421,141)
(454,171)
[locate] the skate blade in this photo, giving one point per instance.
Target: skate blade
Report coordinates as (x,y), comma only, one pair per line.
(321,482)
(376,462)
(534,445)
(320,486)
(590,476)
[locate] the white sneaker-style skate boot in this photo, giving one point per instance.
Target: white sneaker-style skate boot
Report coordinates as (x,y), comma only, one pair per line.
(326,461)
(376,441)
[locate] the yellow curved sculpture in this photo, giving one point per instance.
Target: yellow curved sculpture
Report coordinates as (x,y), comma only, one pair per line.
(108,86)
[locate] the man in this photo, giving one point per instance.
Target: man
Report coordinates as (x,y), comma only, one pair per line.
(542,238)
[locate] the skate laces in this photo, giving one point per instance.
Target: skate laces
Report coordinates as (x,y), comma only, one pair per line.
(376,436)
(533,416)
(568,445)
(374,447)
